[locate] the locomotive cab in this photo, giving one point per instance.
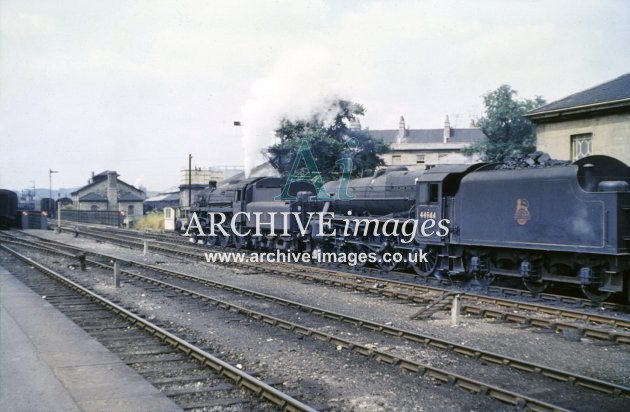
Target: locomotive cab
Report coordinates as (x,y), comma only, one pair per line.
(434,193)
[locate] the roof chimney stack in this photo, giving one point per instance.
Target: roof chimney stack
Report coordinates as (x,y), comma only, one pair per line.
(447,130)
(112,190)
(401,131)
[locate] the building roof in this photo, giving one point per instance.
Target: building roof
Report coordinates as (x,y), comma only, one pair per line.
(124,196)
(607,95)
(468,135)
(96,179)
(164,197)
(93,197)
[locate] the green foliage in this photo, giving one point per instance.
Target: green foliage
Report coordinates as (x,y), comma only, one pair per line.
(508,132)
(330,139)
(154,220)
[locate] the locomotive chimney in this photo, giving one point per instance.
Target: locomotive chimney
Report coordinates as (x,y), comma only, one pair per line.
(112,191)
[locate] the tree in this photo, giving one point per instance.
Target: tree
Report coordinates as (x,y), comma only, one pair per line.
(330,139)
(508,132)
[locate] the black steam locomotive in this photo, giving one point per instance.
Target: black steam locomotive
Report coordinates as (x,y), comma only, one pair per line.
(564,224)
(248,205)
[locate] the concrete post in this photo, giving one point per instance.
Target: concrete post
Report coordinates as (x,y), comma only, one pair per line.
(455,311)
(58,230)
(146,248)
(116,274)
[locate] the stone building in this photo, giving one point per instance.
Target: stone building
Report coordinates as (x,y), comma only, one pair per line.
(167,198)
(423,147)
(593,121)
(106,192)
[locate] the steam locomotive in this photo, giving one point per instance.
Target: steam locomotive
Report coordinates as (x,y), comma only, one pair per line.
(564,224)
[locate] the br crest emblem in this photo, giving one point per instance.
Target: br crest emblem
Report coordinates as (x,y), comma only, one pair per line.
(521,215)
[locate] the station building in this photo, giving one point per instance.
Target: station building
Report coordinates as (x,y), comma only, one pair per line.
(106,192)
(595,121)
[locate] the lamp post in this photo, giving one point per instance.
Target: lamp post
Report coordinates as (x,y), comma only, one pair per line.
(50,173)
(189,182)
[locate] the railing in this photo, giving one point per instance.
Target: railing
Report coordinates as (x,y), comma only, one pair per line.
(103,217)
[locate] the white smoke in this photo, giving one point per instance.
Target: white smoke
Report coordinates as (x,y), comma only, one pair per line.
(301,83)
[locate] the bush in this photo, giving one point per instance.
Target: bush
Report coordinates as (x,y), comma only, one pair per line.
(154,220)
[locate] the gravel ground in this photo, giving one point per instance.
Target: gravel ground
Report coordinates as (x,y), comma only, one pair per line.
(343,380)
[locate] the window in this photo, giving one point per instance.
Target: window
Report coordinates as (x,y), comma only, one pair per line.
(396,159)
(419,159)
(433,193)
(129,210)
(93,208)
(581,145)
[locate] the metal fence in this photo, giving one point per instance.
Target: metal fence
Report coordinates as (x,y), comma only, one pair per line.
(103,217)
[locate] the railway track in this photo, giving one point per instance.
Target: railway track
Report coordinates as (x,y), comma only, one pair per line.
(189,375)
(191,286)
(403,276)
(587,323)
(490,290)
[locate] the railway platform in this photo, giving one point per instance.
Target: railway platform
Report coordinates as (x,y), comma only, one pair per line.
(48,363)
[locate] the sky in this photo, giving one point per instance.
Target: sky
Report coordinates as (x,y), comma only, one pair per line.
(137,86)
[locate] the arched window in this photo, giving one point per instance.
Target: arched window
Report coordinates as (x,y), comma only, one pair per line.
(93,208)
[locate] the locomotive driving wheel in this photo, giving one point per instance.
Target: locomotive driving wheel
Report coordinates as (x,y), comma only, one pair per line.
(385,255)
(361,253)
(211,240)
(224,241)
(240,242)
(426,266)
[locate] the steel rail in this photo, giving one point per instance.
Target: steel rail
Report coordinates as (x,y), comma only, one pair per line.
(289,270)
(243,379)
(498,289)
(462,350)
(428,371)
(553,373)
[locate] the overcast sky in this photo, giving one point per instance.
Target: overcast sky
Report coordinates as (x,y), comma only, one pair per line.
(135,86)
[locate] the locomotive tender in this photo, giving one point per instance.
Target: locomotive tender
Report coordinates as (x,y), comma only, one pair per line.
(567,224)
(563,224)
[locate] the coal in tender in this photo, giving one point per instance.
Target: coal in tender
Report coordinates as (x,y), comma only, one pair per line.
(536,159)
